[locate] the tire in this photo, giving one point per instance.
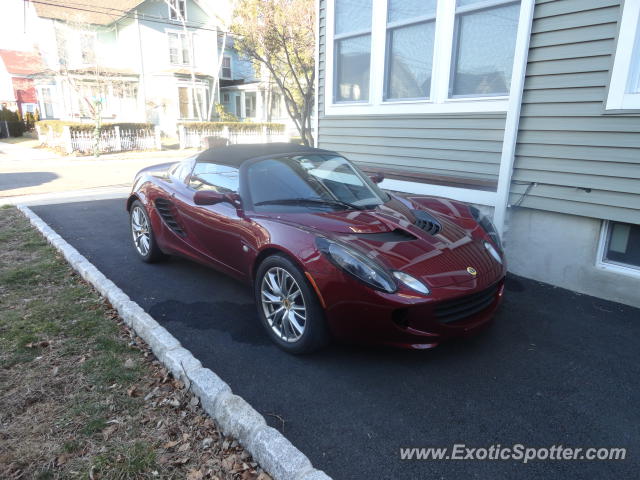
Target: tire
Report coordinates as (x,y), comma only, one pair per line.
(144,240)
(278,270)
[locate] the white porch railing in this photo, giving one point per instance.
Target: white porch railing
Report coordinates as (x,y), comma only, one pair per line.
(194,138)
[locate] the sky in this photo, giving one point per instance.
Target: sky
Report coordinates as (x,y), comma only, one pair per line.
(12,36)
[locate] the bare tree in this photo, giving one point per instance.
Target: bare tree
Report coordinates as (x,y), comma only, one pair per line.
(279,35)
(90,83)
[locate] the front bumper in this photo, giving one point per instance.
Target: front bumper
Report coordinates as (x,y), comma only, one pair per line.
(359,314)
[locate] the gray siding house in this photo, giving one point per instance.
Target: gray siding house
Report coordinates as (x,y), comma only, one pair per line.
(528,109)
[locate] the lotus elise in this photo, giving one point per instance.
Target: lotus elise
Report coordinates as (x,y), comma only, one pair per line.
(328,252)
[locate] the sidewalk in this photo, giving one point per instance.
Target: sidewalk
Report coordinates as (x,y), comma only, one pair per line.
(34,171)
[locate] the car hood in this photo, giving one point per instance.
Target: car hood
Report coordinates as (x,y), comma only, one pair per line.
(388,234)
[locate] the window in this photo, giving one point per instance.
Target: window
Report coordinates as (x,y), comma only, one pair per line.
(411,27)
(46,102)
(192,102)
(87,47)
(226,67)
(250,104)
(620,247)
(484,40)
(176,6)
(225,98)
(436,55)
(323,179)
(123,98)
(353,50)
(624,89)
(276,105)
(179,51)
(212,176)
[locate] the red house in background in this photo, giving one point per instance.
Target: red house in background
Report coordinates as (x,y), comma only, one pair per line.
(19,66)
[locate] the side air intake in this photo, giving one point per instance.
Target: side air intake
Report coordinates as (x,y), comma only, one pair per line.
(165,209)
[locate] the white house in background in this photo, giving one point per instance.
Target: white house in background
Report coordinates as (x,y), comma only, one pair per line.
(134,55)
(137,58)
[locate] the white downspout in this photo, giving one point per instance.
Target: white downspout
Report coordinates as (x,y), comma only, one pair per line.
(317,79)
(513,114)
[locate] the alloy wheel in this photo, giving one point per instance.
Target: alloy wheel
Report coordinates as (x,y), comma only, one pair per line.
(140,231)
(283,304)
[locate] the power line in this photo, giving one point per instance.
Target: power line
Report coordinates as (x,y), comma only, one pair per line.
(129,15)
(110,11)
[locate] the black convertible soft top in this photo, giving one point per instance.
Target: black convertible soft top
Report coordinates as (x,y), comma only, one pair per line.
(235,155)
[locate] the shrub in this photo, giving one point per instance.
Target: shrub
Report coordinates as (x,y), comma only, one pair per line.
(225,116)
(58,125)
(233,126)
(14,122)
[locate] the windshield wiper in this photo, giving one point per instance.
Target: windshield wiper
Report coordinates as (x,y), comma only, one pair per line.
(317,201)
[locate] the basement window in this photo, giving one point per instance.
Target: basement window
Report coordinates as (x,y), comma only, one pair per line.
(620,247)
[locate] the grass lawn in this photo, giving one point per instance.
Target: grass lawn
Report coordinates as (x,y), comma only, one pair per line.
(80,395)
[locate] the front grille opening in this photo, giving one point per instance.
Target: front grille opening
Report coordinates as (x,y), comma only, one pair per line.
(426,222)
(400,317)
(164,208)
(463,307)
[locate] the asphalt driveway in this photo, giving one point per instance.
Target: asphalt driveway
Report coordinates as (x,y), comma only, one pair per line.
(556,368)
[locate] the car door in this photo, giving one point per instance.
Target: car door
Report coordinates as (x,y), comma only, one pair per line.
(217,231)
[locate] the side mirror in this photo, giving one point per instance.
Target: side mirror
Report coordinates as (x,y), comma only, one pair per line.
(208,197)
(377,177)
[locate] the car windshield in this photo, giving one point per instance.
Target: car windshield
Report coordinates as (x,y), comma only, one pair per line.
(311,182)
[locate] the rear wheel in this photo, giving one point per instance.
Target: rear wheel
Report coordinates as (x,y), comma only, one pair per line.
(142,234)
(288,307)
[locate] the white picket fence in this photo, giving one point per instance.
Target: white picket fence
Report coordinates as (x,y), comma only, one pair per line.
(111,140)
(194,138)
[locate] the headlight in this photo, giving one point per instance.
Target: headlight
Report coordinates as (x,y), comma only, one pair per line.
(487,225)
(412,283)
(357,264)
(494,253)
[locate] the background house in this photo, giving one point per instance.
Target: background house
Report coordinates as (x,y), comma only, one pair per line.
(530,110)
(135,57)
(138,61)
(20,65)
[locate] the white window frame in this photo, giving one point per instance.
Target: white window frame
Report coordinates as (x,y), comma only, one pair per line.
(602,264)
(439,101)
(41,103)
(176,5)
(188,37)
(625,62)
(222,67)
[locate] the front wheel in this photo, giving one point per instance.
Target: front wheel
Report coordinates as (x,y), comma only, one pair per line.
(288,307)
(142,234)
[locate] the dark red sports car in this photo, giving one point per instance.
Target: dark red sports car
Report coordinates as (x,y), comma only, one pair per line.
(327,251)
